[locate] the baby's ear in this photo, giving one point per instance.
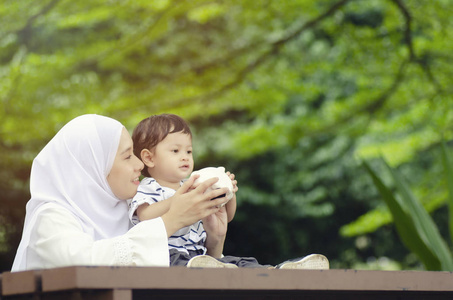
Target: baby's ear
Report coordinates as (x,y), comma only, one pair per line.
(147,158)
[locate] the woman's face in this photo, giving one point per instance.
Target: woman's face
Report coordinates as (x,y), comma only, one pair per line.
(124,176)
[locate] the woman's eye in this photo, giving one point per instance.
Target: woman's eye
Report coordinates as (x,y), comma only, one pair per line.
(129,157)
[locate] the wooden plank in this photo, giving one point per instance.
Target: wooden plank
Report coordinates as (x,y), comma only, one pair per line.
(242,279)
(20,283)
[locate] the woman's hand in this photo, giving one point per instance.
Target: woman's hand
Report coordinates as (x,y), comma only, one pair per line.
(189,205)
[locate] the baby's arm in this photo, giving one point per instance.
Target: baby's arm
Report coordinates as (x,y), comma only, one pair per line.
(149,202)
(231,205)
(147,211)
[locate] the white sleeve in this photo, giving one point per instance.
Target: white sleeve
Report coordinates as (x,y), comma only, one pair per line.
(58,240)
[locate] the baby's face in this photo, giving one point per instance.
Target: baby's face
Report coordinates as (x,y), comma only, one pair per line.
(172,158)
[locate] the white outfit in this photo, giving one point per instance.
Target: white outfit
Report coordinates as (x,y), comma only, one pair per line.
(73,217)
(58,240)
(191,238)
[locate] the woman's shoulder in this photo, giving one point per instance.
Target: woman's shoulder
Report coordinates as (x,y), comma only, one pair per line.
(55,211)
(53,219)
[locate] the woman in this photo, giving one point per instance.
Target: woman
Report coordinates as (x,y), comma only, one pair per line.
(77,214)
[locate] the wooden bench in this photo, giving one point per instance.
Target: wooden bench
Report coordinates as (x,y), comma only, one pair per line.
(126,283)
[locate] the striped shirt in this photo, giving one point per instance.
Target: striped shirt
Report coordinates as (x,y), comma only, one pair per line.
(192,237)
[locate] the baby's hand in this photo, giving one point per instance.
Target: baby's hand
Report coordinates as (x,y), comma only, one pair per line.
(233,181)
(231,205)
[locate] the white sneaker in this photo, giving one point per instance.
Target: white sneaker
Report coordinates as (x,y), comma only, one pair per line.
(206,261)
(312,261)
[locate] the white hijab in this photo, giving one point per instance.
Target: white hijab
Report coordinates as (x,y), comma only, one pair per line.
(71,171)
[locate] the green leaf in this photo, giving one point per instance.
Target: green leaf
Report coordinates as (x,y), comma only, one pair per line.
(448,166)
(405,226)
(424,224)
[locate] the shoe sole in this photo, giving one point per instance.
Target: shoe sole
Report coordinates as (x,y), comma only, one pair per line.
(206,261)
(313,262)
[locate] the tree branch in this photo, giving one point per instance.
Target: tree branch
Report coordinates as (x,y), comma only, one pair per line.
(273,50)
(312,23)
(368,109)
(426,67)
(138,36)
(26,30)
(276,44)
(421,61)
(380,101)
(407,28)
(16,75)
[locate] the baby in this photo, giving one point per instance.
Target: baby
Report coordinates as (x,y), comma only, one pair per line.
(164,144)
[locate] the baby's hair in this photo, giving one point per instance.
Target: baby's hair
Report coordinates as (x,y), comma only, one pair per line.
(154,129)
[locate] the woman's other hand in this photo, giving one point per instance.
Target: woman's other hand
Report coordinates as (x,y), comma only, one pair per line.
(191,204)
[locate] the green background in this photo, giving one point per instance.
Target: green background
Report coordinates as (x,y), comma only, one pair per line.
(291,96)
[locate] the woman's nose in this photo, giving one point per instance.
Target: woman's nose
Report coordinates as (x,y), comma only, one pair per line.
(140,164)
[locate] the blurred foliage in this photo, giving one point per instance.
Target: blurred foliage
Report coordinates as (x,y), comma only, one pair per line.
(288,95)
(415,227)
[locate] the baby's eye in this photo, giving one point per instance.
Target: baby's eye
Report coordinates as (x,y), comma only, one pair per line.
(189,152)
(175,150)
